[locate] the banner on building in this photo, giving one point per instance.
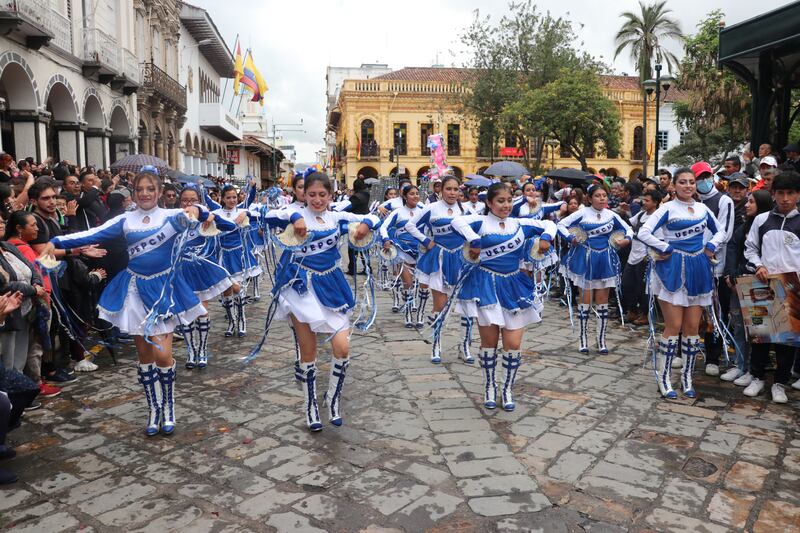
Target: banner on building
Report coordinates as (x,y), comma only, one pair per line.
(771,311)
(233,156)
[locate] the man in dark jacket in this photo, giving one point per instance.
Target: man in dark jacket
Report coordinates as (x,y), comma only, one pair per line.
(360,206)
(91,209)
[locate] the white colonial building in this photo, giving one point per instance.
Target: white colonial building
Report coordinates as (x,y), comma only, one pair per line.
(67,80)
(206,72)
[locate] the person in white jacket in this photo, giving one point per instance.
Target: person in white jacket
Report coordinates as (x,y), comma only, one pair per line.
(773,247)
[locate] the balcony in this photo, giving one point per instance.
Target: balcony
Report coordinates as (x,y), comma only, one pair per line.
(157,83)
(370,151)
(637,156)
(101,54)
(37,22)
(214,119)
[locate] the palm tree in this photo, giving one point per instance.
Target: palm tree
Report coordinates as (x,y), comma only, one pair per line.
(643,34)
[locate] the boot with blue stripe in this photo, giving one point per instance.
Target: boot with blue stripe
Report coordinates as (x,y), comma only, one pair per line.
(203,328)
(602,326)
(663,366)
(512,360)
(227,304)
(148,379)
(488,360)
(423,299)
(690,346)
(466,355)
(583,319)
(241,318)
(333,397)
(396,296)
(408,296)
(166,377)
(191,345)
(308,372)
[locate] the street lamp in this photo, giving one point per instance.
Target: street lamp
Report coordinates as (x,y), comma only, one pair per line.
(552,144)
(276,128)
(397,148)
(657,85)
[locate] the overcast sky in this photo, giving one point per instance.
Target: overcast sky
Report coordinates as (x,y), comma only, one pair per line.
(293,42)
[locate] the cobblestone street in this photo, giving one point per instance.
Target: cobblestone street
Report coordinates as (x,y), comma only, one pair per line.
(590,447)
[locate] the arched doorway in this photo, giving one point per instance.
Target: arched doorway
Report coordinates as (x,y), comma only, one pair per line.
(404,174)
(17,88)
(62,133)
(120,145)
(457,172)
(367,172)
(95,144)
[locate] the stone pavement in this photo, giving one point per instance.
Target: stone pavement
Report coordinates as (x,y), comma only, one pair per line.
(590,447)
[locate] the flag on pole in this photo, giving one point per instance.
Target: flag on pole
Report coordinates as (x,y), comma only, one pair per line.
(238,70)
(252,80)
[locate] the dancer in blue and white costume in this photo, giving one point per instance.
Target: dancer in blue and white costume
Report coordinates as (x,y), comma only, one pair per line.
(140,292)
(393,234)
(313,293)
(473,204)
(531,206)
(438,268)
(257,238)
(497,293)
(592,263)
(682,276)
(206,278)
(236,256)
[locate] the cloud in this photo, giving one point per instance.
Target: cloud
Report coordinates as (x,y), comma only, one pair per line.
(294,42)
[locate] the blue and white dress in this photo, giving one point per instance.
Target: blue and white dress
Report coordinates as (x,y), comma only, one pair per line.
(132,293)
(256,235)
(593,264)
(497,292)
(234,256)
(394,230)
(538,212)
(199,269)
(317,293)
(439,267)
(685,277)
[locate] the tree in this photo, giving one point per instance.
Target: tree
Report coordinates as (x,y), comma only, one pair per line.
(716,109)
(643,34)
(524,50)
(573,110)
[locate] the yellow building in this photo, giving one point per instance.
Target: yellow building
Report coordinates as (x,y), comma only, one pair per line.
(400,109)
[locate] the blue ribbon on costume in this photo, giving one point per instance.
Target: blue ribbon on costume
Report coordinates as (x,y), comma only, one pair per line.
(155,314)
(652,344)
(282,282)
(438,324)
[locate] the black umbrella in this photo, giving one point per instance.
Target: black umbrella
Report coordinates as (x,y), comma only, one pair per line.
(573,176)
(509,169)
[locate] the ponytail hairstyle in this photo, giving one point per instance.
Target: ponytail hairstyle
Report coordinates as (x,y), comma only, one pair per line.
(458,183)
(407,189)
(494,190)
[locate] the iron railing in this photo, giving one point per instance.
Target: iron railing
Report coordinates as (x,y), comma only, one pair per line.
(164,85)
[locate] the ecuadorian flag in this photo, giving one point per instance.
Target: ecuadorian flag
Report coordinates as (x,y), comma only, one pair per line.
(249,77)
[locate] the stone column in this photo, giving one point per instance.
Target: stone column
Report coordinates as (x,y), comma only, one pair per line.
(30,134)
(97,149)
